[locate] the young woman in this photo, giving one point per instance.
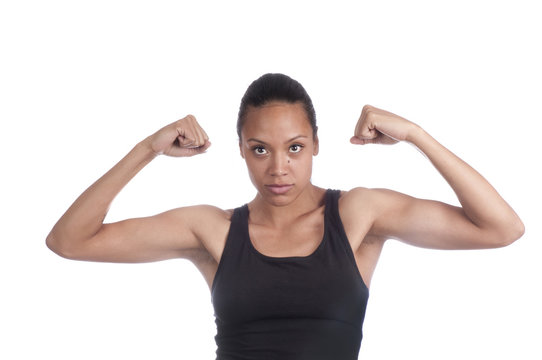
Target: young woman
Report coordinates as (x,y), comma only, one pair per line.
(289,271)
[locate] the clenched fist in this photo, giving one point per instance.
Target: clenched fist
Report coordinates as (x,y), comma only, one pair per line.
(377,126)
(184,137)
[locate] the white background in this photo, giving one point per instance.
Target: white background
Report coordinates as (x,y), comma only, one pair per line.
(81,82)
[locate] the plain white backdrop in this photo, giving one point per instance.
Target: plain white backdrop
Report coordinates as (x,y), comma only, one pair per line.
(82,82)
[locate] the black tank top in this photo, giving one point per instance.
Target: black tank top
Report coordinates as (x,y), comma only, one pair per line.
(302,307)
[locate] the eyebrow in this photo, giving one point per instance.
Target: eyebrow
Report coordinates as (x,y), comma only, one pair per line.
(287,141)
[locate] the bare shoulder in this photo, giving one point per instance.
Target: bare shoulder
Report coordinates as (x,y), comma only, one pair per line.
(358,201)
(367,194)
(209,224)
(357,214)
(370,201)
(361,207)
(355,195)
(200,213)
(207,212)
(202,219)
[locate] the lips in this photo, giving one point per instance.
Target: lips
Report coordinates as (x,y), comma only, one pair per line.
(279,189)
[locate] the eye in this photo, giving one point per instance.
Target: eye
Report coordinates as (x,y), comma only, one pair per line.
(259,150)
(295,148)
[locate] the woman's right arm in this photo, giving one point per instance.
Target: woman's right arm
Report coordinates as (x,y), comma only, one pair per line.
(81,234)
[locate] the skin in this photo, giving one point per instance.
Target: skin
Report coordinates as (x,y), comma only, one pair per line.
(278,146)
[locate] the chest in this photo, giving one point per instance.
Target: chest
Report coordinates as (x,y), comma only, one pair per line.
(317,286)
(300,238)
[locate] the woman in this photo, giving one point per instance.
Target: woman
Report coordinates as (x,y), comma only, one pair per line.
(289,271)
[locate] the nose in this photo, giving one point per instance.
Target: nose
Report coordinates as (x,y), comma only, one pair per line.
(279,165)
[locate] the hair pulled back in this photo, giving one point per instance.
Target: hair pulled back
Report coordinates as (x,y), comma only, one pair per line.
(275,87)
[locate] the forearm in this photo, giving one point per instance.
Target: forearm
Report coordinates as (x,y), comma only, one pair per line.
(85,216)
(481,203)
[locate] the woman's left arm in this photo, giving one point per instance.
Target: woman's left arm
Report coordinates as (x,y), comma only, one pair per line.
(484,220)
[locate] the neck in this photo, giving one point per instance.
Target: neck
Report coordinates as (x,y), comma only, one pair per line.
(265,213)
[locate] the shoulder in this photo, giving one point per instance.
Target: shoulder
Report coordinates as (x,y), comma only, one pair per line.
(366,197)
(201,216)
(207,211)
(359,208)
(354,202)
(210,225)
(370,204)
(359,198)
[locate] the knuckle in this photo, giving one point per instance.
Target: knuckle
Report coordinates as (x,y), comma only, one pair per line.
(187,119)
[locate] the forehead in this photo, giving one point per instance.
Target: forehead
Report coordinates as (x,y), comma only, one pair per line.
(277,118)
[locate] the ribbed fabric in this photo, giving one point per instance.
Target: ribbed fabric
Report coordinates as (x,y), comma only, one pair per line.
(284,308)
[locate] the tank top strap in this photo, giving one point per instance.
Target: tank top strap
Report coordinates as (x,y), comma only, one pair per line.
(239,222)
(235,243)
(332,209)
(335,224)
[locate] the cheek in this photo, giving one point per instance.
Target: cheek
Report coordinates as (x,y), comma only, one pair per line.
(255,169)
(302,165)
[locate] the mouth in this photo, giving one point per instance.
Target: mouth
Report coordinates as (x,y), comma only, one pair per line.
(279,189)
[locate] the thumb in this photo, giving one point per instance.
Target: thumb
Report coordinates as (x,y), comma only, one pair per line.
(185,141)
(197,150)
(359,141)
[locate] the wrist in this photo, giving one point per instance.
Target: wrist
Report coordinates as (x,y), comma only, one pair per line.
(144,147)
(415,134)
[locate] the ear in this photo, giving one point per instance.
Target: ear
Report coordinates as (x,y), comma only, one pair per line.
(316,147)
(241,152)
(316,143)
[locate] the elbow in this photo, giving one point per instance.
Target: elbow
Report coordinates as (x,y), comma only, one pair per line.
(517,232)
(509,234)
(53,244)
(56,245)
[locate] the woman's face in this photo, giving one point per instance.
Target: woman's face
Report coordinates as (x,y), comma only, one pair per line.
(277,144)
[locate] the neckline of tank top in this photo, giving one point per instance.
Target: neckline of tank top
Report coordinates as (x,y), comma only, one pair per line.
(327,205)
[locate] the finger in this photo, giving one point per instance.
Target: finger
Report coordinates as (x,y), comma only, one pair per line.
(190,151)
(192,130)
(200,136)
(184,139)
(357,141)
(356,130)
(362,119)
(190,134)
(363,141)
(205,146)
(360,122)
(198,150)
(185,127)
(205,136)
(365,132)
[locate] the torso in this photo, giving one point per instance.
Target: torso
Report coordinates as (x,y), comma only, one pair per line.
(300,238)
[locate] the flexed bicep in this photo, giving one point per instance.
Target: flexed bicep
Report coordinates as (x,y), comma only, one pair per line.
(427,223)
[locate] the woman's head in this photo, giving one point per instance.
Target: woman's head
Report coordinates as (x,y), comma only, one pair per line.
(275,88)
(277,137)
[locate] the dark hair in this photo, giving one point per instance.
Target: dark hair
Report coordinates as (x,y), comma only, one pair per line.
(275,87)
